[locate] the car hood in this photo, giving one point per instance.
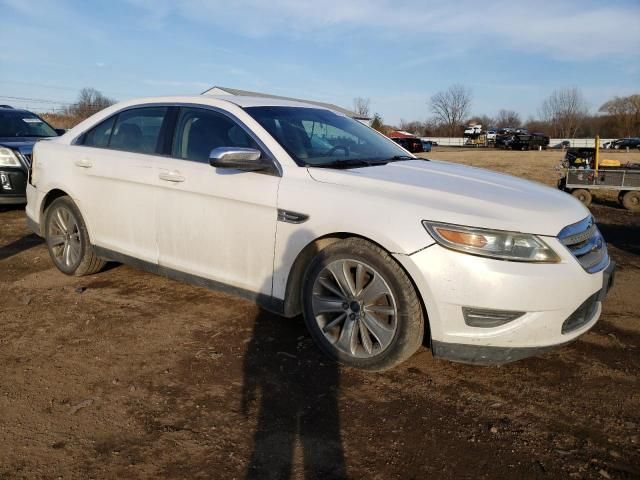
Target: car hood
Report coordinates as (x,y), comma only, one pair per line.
(458,194)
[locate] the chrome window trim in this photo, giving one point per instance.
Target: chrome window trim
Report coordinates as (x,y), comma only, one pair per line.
(270,156)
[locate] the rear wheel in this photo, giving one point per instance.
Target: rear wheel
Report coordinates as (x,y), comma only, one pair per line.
(583,195)
(360,307)
(631,201)
(68,240)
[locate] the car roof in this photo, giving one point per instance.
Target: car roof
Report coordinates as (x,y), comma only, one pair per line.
(240,101)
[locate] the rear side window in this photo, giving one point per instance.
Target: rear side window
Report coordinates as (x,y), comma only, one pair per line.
(138,130)
(99,135)
(198,131)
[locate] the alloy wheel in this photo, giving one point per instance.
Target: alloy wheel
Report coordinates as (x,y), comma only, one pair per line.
(354,308)
(64,237)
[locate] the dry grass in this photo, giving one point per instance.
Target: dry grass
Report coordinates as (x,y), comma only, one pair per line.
(533,165)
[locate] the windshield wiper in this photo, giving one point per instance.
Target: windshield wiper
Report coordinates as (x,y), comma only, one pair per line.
(347,163)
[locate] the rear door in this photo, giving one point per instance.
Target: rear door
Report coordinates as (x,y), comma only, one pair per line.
(219,224)
(116,163)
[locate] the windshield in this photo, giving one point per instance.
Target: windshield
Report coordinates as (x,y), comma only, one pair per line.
(16,123)
(316,137)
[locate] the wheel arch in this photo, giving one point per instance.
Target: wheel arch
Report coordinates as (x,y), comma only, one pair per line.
(293,302)
(49,198)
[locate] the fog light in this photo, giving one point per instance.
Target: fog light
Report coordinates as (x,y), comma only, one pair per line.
(485,318)
(5,182)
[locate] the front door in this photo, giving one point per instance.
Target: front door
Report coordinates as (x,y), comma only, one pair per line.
(218,224)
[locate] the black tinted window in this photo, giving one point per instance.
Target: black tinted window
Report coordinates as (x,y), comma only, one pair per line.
(198,131)
(138,130)
(99,135)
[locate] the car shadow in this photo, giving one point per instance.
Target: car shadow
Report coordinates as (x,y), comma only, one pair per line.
(292,390)
(623,237)
(20,245)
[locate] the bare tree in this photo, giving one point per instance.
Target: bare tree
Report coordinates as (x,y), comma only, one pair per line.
(508,118)
(89,102)
(625,113)
(362,106)
(565,110)
(415,127)
(451,107)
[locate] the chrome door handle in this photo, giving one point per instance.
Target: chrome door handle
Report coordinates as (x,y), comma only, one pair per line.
(171,176)
(84,163)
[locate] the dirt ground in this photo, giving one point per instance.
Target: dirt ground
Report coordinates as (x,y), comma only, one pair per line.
(129,375)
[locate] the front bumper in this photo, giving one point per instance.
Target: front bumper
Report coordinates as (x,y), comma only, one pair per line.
(547,294)
(13,183)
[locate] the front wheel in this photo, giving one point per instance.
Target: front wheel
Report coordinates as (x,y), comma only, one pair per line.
(68,241)
(360,306)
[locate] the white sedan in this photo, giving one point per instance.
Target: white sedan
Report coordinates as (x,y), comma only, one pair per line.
(305,210)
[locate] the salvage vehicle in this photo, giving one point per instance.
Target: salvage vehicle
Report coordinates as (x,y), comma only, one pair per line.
(19,131)
(622,143)
(522,141)
(408,141)
(378,249)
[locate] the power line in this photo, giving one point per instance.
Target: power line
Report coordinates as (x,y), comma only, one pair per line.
(37,100)
(59,87)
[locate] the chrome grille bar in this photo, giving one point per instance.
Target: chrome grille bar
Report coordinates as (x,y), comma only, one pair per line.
(585,242)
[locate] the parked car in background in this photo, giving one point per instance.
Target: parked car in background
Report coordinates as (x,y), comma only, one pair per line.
(426,145)
(630,142)
(522,141)
(373,245)
(407,141)
(564,144)
(491,135)
(19,131)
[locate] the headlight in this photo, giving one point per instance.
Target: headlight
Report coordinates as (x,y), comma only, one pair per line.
(8,158)
(518,247)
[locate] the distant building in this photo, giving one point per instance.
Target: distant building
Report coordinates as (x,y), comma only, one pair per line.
(245,93)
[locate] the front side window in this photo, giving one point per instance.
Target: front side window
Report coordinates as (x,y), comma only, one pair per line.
(198,131)
(18,123)
(316,137)
(138,130)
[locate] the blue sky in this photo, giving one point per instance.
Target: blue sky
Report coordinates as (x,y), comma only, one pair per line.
(398,53)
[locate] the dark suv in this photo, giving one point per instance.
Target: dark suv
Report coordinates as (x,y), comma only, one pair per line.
(19,131)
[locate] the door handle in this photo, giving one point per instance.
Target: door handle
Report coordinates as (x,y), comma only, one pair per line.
(171,176)
(84,163)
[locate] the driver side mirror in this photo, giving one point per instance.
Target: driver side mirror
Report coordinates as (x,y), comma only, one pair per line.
(60,131)
(245,159)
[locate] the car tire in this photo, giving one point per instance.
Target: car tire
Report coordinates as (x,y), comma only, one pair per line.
(360,306)
(583,195)
(68,240)
(631,201)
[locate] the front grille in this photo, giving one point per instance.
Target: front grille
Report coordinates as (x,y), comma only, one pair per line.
(584,241)
(582,315)
(27,157)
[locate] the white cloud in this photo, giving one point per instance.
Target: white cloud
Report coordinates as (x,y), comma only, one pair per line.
(557,29)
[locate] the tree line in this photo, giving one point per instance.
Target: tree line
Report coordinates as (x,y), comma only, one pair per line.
(564,114)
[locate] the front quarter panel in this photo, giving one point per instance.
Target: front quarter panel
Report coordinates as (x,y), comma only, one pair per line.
(335,209)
